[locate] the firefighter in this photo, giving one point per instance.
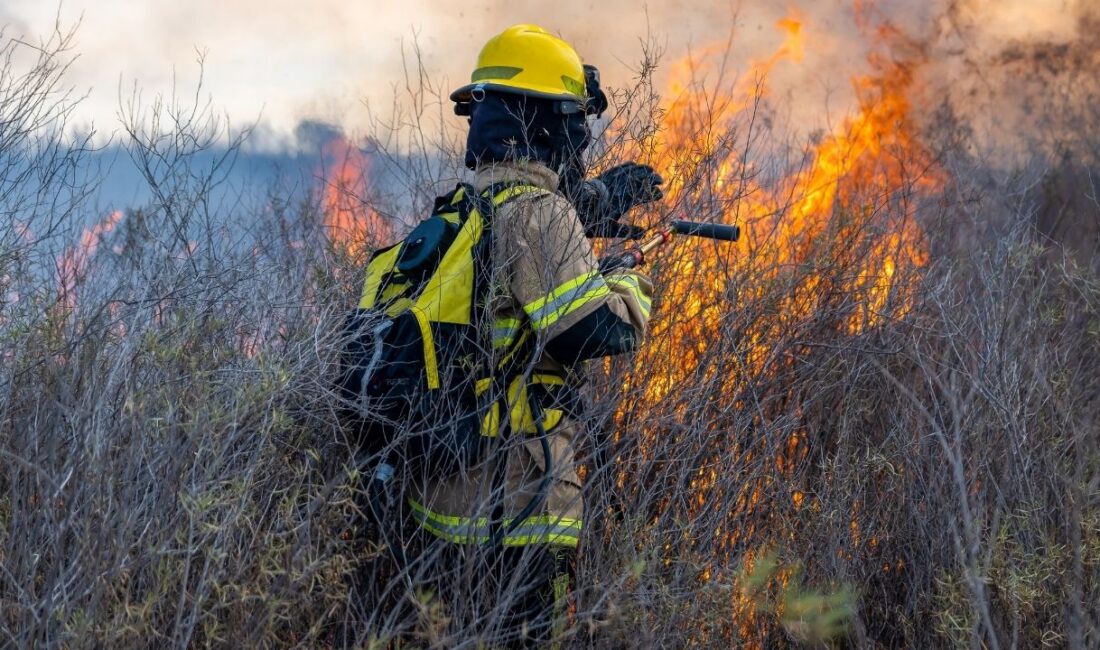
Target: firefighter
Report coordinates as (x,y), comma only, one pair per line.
(505,532)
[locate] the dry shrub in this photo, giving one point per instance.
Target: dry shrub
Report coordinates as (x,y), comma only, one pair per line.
(174,473)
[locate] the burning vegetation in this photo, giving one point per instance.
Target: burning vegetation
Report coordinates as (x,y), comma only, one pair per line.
(871,422)
(349,218)
(832,248)
(857,189)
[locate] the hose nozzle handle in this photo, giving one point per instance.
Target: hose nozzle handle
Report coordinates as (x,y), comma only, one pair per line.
(709,230)
(636,256)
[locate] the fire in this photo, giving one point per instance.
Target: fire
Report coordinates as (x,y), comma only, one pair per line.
(351,222)
(73,263)
(848,192)
(825,241)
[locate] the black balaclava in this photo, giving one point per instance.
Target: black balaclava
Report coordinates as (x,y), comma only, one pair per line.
(507,127)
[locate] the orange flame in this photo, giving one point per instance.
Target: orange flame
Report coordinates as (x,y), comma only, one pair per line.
(840,224)
(351,222)
(852,178)
(73,264)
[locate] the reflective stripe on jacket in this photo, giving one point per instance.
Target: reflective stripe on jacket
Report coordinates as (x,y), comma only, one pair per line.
(539,529)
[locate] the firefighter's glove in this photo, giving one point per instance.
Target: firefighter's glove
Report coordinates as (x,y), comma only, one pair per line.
(602,201)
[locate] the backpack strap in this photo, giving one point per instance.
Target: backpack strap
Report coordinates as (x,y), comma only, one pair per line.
(487,202)
(448,199)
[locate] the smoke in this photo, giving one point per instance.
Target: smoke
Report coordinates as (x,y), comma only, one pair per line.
(1019,74)
(727,38)
(1016,75)
(284,62)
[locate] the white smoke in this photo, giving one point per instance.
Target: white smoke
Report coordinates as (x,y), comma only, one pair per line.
(330,59)
(343,62)
(1019,74)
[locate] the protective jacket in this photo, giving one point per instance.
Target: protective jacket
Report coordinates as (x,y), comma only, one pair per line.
(547,292)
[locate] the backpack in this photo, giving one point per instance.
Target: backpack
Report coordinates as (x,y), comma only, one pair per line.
(418,372)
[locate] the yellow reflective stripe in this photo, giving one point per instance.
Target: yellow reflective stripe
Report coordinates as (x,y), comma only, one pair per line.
(630,283)
(565,299)
(480,524)
(504,332)
(539,529)
(516,190)
(431,366)
(447,520)
(553,539)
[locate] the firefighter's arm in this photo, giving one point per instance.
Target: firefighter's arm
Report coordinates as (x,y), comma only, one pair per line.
(580,313)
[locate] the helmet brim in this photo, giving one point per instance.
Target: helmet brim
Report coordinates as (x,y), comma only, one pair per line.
(466,93)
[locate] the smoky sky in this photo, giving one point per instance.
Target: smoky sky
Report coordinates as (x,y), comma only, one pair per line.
(283,62)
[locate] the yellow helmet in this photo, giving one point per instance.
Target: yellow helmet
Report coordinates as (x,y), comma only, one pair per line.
(527,60)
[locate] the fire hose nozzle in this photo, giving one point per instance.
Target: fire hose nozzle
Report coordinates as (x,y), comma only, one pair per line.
(636,256)
(717,231)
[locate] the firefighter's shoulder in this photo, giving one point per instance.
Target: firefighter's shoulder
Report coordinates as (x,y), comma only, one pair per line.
(540,206)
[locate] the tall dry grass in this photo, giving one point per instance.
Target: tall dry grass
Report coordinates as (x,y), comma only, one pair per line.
(175,473)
